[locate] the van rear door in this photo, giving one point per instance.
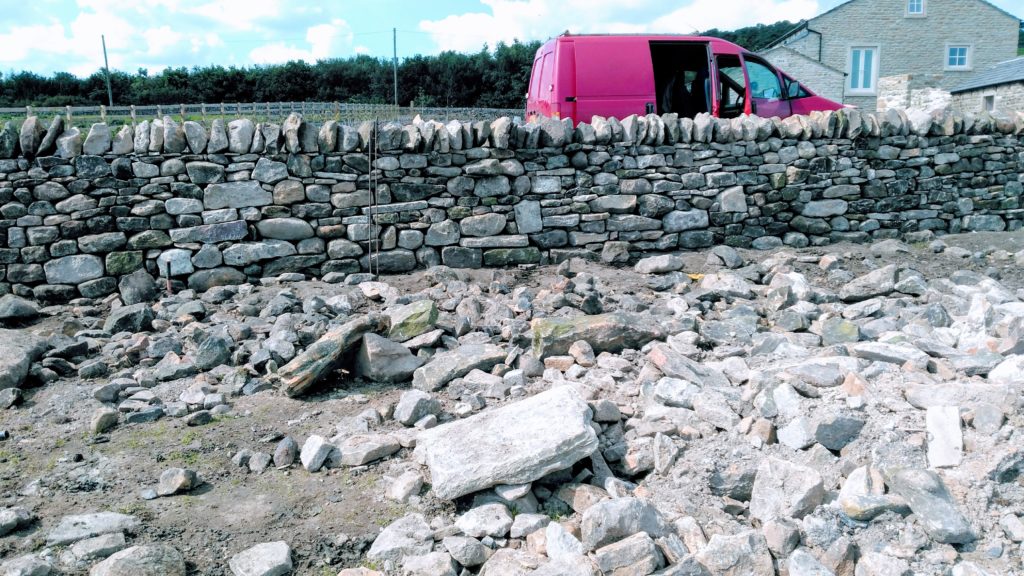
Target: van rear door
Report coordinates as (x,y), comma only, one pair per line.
(614,77)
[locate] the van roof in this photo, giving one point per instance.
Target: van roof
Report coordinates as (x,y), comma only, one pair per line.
(718,45)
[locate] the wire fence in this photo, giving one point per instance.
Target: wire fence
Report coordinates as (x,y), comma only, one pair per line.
(346,113)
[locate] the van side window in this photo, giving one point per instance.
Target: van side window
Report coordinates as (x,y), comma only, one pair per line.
(535,81)
(732,86)
(764,83)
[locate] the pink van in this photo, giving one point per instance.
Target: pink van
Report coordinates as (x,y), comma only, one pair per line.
(580,77)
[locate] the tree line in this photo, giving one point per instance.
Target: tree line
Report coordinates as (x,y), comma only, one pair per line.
(495,78)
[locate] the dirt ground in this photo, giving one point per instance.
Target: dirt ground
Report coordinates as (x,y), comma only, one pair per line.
(53,466)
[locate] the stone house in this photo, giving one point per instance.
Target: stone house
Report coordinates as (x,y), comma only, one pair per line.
(934,43)
(996,89)
(823,79)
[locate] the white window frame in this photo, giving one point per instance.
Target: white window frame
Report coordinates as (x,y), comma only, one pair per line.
(861,91)
(968,59)
(921,14)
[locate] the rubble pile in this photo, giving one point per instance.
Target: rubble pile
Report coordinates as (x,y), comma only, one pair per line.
(800,414)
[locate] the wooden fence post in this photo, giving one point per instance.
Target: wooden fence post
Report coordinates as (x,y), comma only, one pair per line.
(28,111)
(103,113)
(133,116)
(67,115)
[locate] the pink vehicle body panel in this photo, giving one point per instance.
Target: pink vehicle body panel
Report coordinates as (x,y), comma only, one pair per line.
(580,77)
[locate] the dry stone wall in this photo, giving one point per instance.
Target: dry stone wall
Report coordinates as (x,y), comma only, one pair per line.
(240,201)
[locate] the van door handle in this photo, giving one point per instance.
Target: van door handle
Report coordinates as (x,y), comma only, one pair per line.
(570,98)
(649,108)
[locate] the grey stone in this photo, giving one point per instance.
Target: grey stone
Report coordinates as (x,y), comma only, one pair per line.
(267,559)
(382,360)
(447,366)
(204,173)
(98,141)
(175,480)
(71,529)
(247,253)
(932,504)
(659,264)
(240,133)
(15,310)
(611,520)
(285,228)
(678,221)
(742,554)
(269,172)
(606,332)
(69,144)
(133,318)
(147,560)
(73,269)
(196,136)
(362,449)
(825,208)
(785,490)
(514,444)
(31,136)
(483,225)
(492,520)
(174,136)
(236,195)
(137,287)
(875,283)
(218,137)
(407,536)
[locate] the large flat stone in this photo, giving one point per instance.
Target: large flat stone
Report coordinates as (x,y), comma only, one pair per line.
(81,526)
(605,332)
(515,444)
(446,366)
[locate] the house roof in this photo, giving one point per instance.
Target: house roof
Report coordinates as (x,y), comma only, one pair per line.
(804,23)
(1003,73)
(797,53)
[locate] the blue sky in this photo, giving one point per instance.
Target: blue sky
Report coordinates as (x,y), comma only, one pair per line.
(45,36)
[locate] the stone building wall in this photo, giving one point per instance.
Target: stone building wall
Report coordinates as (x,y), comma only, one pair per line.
(912,44)
(245,201)
(823,80)
(1008,99)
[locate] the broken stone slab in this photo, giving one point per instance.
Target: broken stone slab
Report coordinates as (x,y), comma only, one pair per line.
(892,353)
(147,560)
(359,450)
(636,554)
(317,360)
(612,520)
(488,520)
(875,283)
(514,444)
(18,350)
(743,554)
(962,394)
(660,264)
(410,535)
(447,366)
(945,439)
(612,332)
(932,504)
(175,480)
(382,360)
(71,529)
(675,365)
(785,490)
(267,559)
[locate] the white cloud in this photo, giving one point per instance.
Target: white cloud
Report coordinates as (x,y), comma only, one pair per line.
(528,20)
(361,49)
(707,14)
(240,14)
(325,41)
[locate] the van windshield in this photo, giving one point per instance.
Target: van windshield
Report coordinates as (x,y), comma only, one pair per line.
(681,77)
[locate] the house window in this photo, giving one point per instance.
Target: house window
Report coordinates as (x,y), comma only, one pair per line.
(989,103)
(915,7)
(863,69)
(958,57)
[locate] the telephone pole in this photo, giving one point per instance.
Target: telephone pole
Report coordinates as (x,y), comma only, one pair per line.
(394,59)
(106,70)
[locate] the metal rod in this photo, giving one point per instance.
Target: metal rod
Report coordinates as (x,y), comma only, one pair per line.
(106,70)
(394,59)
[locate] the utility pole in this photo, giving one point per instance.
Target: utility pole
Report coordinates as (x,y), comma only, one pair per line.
(394,60)
(106,70)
